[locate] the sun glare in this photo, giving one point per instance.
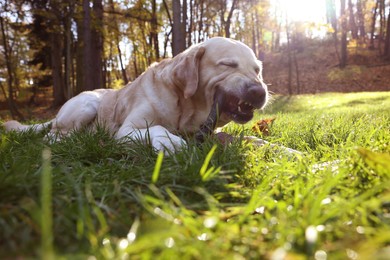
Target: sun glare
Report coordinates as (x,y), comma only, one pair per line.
(302,10)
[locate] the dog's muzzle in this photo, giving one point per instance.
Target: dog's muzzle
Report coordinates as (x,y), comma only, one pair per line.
(255,95)
(239,105)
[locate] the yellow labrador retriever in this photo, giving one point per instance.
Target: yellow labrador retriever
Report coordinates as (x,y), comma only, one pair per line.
(172,98)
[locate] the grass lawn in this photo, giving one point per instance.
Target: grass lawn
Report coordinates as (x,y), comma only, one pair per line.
(91,196)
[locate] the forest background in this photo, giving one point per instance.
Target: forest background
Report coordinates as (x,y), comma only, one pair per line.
(51,50)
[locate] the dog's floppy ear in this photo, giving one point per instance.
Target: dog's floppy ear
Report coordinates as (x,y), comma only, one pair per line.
(186,70)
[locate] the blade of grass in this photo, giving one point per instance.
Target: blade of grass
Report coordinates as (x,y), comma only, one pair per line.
(205,173)
(157,167)
(47,208)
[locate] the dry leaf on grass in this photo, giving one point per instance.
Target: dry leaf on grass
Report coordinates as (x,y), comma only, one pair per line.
(261,127)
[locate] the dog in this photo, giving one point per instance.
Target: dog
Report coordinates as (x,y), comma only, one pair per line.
(171,99)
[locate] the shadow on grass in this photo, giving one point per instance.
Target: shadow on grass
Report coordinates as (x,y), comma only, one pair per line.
(328,101)
(363,101)
(284,104)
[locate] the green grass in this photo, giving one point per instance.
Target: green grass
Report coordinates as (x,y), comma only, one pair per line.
(91,196)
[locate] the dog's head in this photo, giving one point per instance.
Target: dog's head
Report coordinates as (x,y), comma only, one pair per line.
(224,72)
(232,71)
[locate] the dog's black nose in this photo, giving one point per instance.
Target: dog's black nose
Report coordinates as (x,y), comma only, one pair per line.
(256,95)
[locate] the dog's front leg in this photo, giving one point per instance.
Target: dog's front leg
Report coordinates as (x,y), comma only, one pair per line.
(160,138)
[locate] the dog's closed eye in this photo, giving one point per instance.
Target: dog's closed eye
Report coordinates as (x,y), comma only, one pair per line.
(228,63)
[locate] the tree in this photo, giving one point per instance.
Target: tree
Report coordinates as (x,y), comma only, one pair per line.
(373,25)
(290,64)
(387,40)
(226,15)
(331,18)
(37,41)
(382,18)
(56,52)
(167,33)
(68,42)
(7,51)
(256,21)
(116,38)
(92,41)
(352,22)
(154,31)
(361,20)
(178,41)
(331,15)
(343,58)
(47,39)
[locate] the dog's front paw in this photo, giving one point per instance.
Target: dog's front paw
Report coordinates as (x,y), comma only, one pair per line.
(168,143)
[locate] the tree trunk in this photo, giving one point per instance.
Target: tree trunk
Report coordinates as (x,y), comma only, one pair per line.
(56,72)
(381,24)
(352,22)
(109,63)
(184,22)
(259,36)
(154,31)
(80,55)
(331,17)
(90,60)
(178,42)
(87,47)
(254,36)
(123,69)
(135,65)
(298,81)
(276,33)
(68,51)
(56,39)
(387,40)
(167,34)
(360,15)
(201,14)
(373,21)
(290,92)
(96,58)
(229,19)
(168,13)
(343,60)
(190,26)
(222,10)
